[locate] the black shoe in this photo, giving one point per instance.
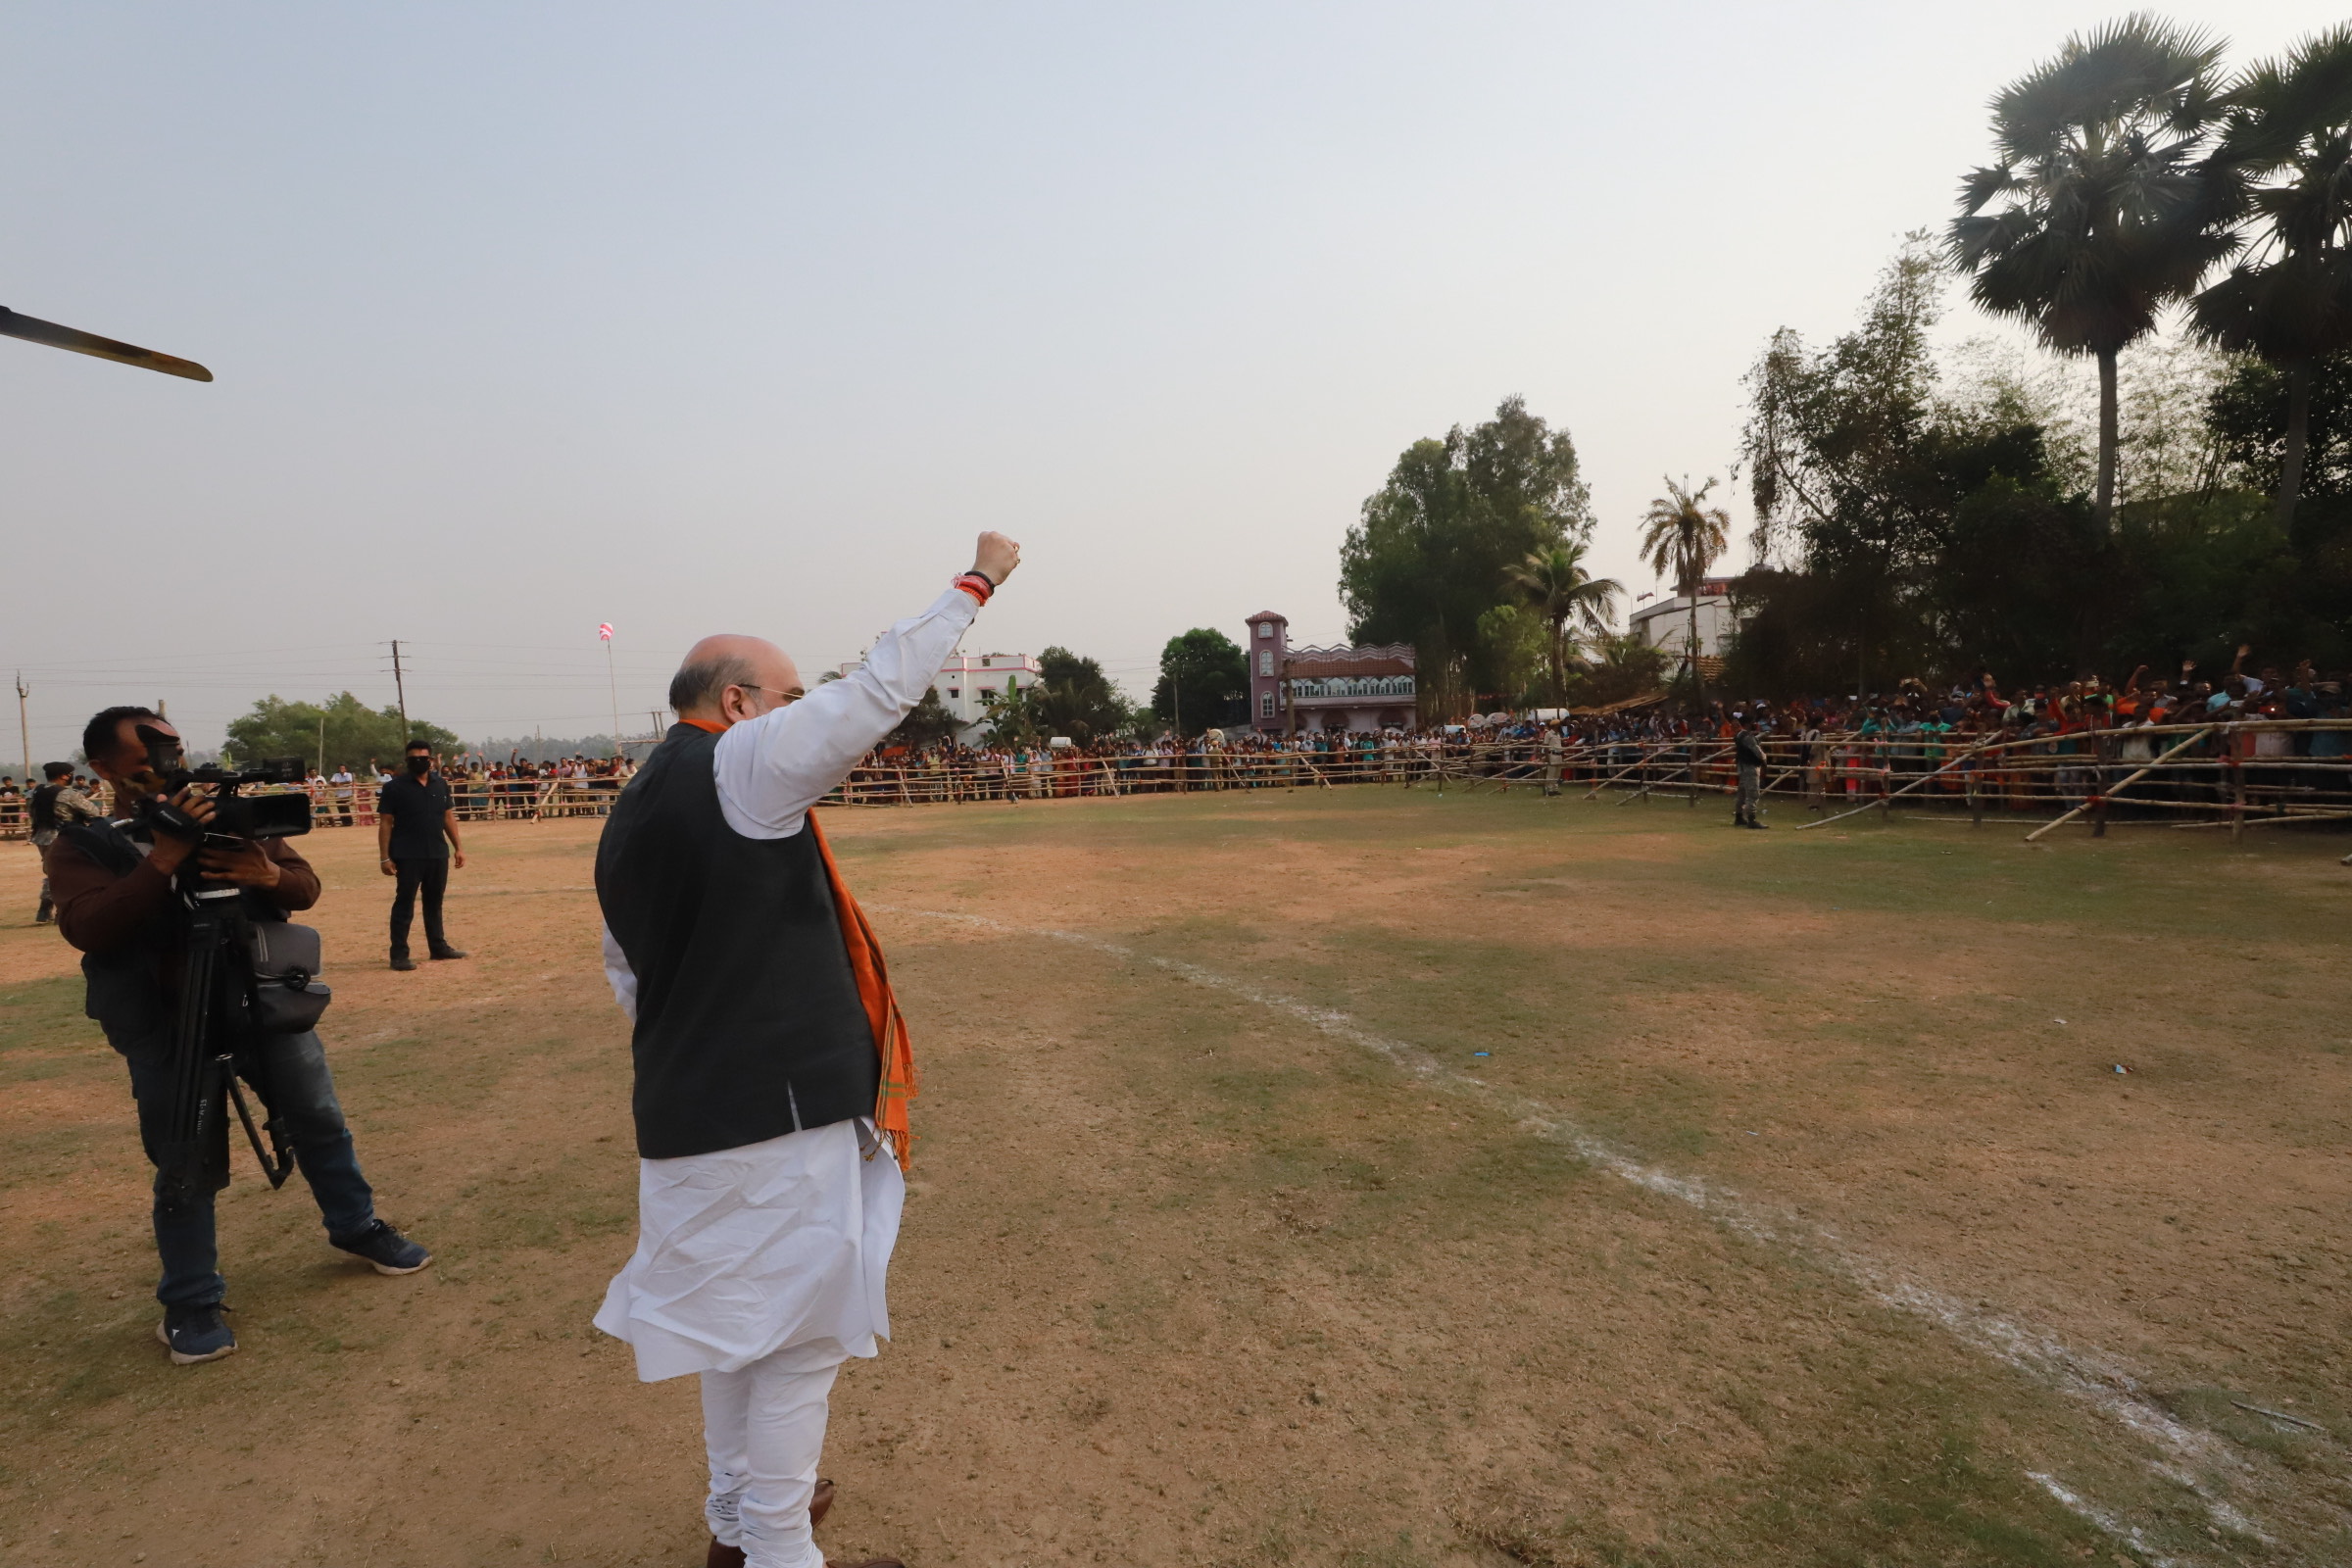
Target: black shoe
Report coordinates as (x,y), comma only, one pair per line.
(194,1333)
(445,952)
(380,1245)
(403,962)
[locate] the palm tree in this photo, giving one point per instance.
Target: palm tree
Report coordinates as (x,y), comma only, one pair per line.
(1681,539)
(1556,584)
(2292,304)
(2101,212)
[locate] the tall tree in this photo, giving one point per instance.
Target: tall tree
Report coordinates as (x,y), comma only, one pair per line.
(1831,436)
(2101,210)
(2291,301)
(1860,458)
(1201,672)
(928,724)
(1074,697)
(1680,538)
(352,732)
(2247,419)
(1556,585)
(1434,547)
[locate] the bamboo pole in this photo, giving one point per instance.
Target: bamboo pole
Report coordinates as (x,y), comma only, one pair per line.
(2237,825)
(1614,778)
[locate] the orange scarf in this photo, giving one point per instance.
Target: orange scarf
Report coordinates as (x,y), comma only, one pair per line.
(882,1013)
(881,1010)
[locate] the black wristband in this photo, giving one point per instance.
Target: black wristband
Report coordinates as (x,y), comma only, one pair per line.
(992,584)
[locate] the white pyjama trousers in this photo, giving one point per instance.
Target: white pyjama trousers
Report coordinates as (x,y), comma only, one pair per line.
(764,1428)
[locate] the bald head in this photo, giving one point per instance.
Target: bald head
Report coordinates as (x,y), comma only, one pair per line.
(729,679)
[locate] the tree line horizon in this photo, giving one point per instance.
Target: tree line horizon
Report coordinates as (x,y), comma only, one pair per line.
(1916,519)
(1915,515)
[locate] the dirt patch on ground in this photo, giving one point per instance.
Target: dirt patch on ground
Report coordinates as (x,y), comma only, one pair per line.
(1188,1280)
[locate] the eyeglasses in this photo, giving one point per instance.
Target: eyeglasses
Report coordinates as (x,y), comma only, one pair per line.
(793,696)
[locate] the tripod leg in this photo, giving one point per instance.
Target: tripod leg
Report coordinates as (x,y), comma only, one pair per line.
(277,1160)
(194,1070)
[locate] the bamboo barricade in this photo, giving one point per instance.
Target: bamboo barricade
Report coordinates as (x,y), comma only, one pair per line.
(2233,775)
(2058,777)
(2102,798)
(1885,798)
(354,804)
(1691,765)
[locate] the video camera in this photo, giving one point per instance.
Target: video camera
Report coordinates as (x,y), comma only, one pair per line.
(234,815)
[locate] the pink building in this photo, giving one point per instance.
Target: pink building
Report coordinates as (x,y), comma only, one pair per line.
(1326,688)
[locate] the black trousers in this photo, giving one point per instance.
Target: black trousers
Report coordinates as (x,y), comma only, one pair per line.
(432,877)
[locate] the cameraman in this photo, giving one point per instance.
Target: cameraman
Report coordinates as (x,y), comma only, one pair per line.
(56,804)
(113,882)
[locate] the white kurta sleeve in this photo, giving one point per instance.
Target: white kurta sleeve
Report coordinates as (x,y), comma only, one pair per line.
(620,976)
(772,768)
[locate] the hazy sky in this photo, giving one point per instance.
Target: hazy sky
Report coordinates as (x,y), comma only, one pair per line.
(697,317)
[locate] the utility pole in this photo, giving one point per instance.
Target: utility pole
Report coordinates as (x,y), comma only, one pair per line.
(24,728)
(1290,701)
(612,685)
(400,686)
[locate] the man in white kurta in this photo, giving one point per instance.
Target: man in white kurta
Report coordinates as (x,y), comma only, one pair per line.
(762,1267)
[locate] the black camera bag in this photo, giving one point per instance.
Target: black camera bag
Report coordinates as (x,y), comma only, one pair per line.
(288,998)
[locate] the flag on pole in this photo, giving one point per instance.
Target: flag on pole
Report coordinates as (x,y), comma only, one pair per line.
(604,631)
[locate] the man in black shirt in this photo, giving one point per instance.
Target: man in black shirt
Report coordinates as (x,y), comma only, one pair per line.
(415,831)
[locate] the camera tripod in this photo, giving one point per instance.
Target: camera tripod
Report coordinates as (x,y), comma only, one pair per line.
(215,1044)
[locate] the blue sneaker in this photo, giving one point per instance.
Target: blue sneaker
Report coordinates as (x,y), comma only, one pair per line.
(194,1333)
(380,1245)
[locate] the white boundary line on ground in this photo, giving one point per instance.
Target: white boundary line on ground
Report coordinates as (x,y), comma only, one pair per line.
(2093,1378)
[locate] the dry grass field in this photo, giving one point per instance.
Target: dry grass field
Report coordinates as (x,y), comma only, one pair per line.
(1366,1179)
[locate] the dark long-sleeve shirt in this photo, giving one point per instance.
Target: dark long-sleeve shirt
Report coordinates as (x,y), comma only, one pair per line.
(102,912)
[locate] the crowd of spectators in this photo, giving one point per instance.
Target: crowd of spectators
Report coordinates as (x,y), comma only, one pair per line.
(2054,740)
(2063,740)
(481,788)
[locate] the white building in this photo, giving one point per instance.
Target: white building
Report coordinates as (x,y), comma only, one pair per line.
(1666,622)
(967,681)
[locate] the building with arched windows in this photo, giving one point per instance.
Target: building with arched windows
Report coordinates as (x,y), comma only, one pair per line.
(1360,688)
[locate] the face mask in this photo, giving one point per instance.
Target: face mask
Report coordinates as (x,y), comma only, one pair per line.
(421,765)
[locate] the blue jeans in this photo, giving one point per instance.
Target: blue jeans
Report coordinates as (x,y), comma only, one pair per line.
(302,1094)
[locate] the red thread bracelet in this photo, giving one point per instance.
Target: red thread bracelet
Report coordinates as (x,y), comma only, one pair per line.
(979,587)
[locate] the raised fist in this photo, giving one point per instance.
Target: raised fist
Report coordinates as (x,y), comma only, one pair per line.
(996,556)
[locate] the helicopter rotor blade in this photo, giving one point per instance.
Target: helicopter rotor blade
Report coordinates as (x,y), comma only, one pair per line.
(32,330)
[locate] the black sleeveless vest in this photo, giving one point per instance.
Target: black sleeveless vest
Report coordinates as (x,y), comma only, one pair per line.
(748,1023)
